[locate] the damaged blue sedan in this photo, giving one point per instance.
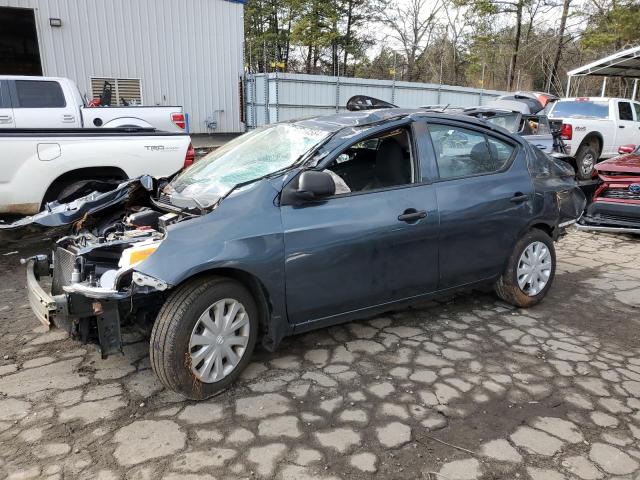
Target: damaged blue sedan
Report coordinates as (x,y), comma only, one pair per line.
(298,226)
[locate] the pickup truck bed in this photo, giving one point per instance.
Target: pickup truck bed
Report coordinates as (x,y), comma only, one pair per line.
(56,102)
(40,164)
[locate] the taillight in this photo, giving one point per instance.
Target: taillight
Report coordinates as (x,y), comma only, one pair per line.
(566,132)
(190,157)
(179,120)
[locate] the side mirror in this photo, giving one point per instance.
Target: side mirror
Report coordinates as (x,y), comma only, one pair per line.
(629,148)
(314,184)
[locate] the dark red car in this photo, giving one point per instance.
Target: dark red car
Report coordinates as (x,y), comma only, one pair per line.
(616,201)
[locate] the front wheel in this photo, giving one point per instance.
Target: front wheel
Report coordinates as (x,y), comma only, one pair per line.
(204,336)
(530,270)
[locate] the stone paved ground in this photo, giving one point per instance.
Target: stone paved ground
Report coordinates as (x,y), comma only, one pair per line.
(460,389)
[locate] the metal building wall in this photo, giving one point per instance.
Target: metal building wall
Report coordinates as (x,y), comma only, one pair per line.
(287,96)
(187,52)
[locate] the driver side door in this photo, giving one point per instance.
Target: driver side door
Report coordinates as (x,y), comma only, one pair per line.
(352,252)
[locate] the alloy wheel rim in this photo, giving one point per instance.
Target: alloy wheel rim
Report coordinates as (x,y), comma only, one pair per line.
(534,268)
(219,340)
(587,164)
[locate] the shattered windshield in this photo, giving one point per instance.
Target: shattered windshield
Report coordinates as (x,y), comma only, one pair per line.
(248,157)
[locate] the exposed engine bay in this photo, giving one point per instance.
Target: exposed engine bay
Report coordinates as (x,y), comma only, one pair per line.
(105,234)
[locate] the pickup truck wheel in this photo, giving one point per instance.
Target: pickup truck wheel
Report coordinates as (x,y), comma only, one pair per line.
(204,336)
(586,159)
(530,270)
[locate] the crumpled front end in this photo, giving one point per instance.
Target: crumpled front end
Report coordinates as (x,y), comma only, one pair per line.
(88,285)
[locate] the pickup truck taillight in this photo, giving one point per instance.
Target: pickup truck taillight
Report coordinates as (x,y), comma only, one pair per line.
(190,157)
(566,132)
(179,120)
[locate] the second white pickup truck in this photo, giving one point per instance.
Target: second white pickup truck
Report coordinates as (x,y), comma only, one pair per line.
(39,166)
(594,128)
(55,102)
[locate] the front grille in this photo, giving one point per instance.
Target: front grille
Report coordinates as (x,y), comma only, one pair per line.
(164,199)
(621,193)
(618,174)
(619,218)
(63,263)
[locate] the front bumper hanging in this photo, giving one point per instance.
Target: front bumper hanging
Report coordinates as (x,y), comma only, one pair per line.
(73,312)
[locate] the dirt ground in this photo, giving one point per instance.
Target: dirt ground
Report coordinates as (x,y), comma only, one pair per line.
(467,388)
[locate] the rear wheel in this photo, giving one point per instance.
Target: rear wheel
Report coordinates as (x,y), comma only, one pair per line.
(586,160)
(530,270)
(204,336)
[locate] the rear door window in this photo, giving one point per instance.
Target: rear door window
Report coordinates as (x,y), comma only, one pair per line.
(461,152)
(39,94)
(581,108)
(636,107)
(624,111)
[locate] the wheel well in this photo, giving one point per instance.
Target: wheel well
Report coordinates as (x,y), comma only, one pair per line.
(81,174)
(251,283)
(544,227)
(590,137)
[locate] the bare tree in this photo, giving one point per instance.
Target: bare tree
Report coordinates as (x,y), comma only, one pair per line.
(556,58)
(412,25)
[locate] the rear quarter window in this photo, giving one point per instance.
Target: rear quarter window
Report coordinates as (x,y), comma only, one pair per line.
(39,94)
(587,109)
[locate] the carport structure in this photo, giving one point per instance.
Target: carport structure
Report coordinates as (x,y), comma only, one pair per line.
(623,64)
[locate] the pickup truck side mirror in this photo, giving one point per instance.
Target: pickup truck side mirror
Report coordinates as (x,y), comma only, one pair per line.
(311,185)
(629,148)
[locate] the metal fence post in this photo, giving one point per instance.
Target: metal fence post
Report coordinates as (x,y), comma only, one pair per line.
(266,98)
(254,105)
(277,104)
(337,94)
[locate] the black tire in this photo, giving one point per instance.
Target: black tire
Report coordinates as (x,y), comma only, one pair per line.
(169,344)
(507,287)
(586,159)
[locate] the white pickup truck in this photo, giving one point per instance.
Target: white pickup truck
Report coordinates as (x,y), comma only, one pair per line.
(39,166)
(594,128)
(51,102)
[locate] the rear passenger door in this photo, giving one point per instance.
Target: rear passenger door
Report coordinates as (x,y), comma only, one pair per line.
(42,104)
(6,110)
(627,131)
(636,128)
(485,199)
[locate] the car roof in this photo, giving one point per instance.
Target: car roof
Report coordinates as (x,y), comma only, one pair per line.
(363,118)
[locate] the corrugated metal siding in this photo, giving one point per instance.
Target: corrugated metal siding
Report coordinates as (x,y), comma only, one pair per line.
(186,52)
(292,96)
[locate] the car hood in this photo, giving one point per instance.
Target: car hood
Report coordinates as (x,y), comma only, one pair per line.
(629,164)
(59,219)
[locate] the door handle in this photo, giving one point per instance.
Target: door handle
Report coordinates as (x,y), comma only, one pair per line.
(620,126)
(519,198)
(5,118)
(412,215)
(68,118)
(541,146)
